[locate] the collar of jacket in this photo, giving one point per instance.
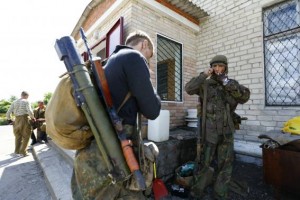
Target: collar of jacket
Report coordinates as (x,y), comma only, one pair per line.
(119,47)
(212,80)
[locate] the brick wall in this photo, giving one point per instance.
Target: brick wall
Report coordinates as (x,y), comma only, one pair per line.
(138,16)
(95,14)
(234,28)
(154,23)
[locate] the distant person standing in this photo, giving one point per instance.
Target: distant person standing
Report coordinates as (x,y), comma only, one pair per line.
(22,111)
(39,114)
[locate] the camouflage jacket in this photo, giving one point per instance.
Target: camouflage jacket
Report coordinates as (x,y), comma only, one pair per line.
(39,113)
(221,102)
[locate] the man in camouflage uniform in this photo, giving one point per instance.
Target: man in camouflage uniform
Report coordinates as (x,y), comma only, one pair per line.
(219,98)
(39,114)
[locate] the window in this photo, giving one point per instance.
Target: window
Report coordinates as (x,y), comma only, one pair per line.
(107,44)
(282,53)
(114,37)
(169,69)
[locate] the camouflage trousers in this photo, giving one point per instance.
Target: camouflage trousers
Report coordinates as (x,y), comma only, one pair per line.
(90,178)
(222,151)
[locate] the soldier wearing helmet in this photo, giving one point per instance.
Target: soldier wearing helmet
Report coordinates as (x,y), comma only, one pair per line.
(219,97)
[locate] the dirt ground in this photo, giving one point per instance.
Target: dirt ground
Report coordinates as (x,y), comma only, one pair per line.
(257,189)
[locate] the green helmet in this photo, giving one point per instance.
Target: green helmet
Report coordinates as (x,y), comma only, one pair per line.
(220,59)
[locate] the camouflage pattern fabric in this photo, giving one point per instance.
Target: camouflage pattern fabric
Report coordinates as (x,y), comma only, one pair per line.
(39,113)
(224,151)
(90,179)
(221,102)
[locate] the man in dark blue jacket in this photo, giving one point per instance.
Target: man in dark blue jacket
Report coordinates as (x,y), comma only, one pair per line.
(128,77)
(126,71)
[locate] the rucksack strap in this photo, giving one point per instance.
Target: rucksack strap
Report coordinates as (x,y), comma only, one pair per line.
(128,95)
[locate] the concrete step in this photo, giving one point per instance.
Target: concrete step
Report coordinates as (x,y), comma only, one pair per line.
(57,166)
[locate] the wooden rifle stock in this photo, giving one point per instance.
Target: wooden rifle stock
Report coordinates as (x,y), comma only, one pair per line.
(125,143)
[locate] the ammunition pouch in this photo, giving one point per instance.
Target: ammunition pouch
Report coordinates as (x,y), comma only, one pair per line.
(147,160)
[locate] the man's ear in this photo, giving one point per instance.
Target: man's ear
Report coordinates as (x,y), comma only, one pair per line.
(145,44)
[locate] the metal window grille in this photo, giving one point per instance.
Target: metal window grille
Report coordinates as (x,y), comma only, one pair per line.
(281,24)
(169,69)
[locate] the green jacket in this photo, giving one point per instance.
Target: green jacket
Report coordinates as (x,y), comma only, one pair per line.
(221,102)
(39,114)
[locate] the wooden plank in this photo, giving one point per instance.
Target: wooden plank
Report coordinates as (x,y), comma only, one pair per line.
(180,12)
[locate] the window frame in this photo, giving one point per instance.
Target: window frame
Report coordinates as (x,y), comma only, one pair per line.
(168,61)
(283,38)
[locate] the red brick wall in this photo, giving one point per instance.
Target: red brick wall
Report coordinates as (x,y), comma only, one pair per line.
(95,14)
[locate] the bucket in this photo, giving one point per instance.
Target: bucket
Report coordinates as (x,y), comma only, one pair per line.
(158,129)
(191,118)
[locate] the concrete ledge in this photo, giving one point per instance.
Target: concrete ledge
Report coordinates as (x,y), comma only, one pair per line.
(69,155)
(248,148)
(248,152)
(56,169)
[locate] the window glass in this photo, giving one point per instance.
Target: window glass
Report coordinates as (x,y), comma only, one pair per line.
(282,54)
(281,18)
(169,69)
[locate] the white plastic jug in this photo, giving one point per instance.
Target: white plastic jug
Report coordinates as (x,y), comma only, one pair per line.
(158,129)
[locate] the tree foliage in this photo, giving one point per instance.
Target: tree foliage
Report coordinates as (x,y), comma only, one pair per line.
(47,97)
(5,103)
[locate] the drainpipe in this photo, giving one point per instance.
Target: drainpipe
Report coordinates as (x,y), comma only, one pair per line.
(84,15)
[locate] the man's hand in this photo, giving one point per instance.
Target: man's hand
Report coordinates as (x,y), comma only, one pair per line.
(208,71)
(223,78)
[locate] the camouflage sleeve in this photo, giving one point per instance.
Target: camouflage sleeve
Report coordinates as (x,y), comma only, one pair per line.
(238,92)
(192,87)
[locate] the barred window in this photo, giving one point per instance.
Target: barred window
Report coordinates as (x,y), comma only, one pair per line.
(282,53)
(169,69)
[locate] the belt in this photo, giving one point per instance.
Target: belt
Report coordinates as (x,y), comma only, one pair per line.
(26,115)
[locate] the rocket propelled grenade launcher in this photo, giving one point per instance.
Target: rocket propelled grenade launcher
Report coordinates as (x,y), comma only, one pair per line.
(126,144)
(87,98)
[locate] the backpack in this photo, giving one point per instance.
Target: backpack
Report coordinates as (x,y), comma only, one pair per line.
(66,122)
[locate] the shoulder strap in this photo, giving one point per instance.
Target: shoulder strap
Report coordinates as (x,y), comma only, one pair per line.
(203,119)
(128,95)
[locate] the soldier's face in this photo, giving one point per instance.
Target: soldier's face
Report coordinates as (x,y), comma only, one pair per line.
(41,105)
(219,68)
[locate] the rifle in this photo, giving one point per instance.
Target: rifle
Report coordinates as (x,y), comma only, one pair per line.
(126,144)
(237,120)
(87,98)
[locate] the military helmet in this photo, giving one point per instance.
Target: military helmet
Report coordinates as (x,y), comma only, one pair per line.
(219,59)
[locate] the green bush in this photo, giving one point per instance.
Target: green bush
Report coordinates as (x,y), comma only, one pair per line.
(3,120)
(4,106)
